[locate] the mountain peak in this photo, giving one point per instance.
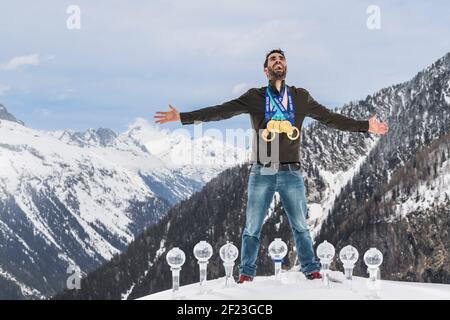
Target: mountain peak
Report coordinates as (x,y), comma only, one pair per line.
(440,65)
(91,137)
(141,125)
(5,115)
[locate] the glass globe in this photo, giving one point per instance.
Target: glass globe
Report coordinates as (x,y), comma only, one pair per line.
(203,251)
(228,252)
(373,258)
(325,251)
(349,255)
(175,257)
(278,249)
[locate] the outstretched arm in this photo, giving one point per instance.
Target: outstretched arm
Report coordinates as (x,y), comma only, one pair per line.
(338,121)
(223,111)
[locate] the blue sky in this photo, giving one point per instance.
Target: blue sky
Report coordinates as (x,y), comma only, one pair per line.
(132,58)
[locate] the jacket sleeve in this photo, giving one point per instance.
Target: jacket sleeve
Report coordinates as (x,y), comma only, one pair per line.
(220,112)
(333,120)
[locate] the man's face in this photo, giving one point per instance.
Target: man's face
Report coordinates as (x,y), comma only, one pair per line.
(276,67)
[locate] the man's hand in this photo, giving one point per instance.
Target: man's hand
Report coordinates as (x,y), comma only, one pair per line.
(163,117)
(377,127)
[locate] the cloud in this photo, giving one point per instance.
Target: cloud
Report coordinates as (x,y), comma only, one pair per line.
(17,62)
(4,88)
(126,65)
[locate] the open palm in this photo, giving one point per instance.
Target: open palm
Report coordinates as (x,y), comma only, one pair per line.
(163,117)
(377,127)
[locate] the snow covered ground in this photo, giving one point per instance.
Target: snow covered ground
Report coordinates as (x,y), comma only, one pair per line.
(294,286)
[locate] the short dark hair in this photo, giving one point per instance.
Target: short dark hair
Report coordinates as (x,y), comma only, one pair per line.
(273,51)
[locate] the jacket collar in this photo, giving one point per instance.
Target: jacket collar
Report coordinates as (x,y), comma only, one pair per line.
(272,86)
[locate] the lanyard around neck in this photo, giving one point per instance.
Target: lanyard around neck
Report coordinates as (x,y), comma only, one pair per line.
(278,111)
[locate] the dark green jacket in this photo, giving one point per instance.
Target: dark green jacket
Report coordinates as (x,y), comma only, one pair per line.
(283,149)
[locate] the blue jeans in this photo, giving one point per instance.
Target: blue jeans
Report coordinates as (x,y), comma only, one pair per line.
(262,185)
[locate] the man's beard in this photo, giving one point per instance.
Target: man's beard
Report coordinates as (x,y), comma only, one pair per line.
(277,74)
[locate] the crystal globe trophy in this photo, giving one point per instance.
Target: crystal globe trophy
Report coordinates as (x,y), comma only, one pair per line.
(228,253)
(203,252)
(373,258)
(175,258)
(325,252)
(277,251)
(349,255)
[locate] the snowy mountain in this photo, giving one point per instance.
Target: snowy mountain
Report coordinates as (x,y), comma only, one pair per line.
(101,137)
(70,198)
(398,200)
(294,286)
(5,115)
(417,111)
(345,175)
(415,203)
(173,164)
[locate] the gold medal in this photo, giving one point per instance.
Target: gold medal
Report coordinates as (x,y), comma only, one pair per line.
(267,135)
(294,134)
(280,126)
(278,122)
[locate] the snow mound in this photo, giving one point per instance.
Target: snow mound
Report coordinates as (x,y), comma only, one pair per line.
(294,286)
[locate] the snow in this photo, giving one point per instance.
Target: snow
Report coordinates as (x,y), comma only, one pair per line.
(178,148)
(447,96)
(27,168)
(96,180)
(26,290)
(32,213)
(318,212)
(294,286)
(430,193)
(276,199)
(149,150)
(125,295)
(10,235)
(447,99)
(161,249)
(108,178)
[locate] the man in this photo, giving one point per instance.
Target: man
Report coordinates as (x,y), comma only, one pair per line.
(277,113)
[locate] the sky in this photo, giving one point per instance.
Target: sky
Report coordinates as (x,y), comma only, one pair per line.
(129,59)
